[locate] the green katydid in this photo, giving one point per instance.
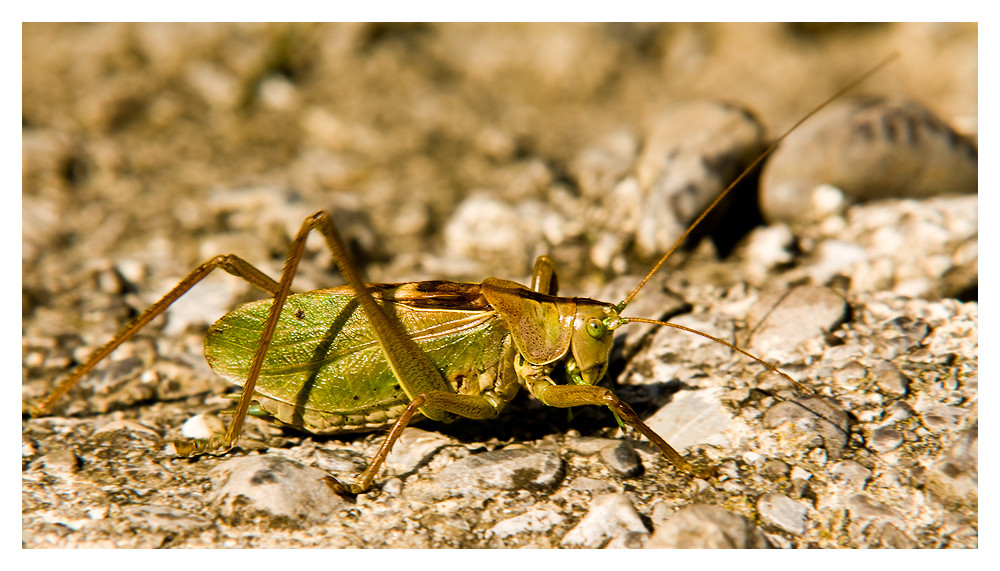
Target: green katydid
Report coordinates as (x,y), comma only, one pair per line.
(367,356)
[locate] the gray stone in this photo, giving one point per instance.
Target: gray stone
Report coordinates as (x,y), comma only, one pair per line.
(393,486)
(939,418)
(534,520)
(702,526)
(854,475)
(202,427)
(890,537)
(487,229)
(610,516)
(886,438)
(850,373)
(781,322)
(775,469)
(62,463)
(865,511)
(865,148)
(507,469)
(620,458)
(693,417)
(116,430)
(414,447)
(768,248)
(344,462)
(785,513)
(891,380)
(899,411)
(590,445)
(590,485)
(283,491)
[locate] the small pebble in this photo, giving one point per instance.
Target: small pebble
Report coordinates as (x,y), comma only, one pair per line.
(892,381)
(890,537)
(610,516)
(621,459)
(414,447)
(852,473)
(393,487)
(899,411)
(590,485)
(539,520)
(800,474)
(702,526)
(850,373)
(885,439)
(494,232)
(818,456)
(865,511)
(61,463)
(956,478)
(589,445)
(507,469)
(340,461)
(281,490)
(775,469)
(785,513)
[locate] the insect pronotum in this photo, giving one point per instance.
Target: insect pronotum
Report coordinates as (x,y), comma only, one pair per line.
(367,356)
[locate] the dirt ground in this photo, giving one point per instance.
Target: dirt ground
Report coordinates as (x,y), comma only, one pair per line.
(445,151)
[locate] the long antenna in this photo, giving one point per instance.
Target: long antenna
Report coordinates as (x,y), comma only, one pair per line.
(747,170)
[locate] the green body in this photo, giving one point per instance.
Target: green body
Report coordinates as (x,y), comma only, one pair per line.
(325,371)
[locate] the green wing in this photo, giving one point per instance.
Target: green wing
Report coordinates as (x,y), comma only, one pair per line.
(325,358)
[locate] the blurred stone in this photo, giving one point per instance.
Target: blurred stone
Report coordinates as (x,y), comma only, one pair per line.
(707,527)
(864,148)
(610,516)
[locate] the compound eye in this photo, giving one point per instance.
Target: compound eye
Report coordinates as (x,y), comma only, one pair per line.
(596,328)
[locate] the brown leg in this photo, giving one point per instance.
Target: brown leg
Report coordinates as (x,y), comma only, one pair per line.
(577,395)
(231,264)
(468,406)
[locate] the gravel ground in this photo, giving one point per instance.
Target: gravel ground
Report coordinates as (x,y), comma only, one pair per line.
(463,151)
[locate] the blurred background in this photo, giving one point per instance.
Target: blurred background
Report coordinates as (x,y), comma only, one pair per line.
(445,151)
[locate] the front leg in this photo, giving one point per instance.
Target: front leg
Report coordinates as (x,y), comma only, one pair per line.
(468,406)
(564,396)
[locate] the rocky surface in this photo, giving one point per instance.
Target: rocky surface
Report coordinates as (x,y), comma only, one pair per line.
(464,151)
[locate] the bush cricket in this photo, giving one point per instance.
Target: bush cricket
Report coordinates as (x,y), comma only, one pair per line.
(361,357)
